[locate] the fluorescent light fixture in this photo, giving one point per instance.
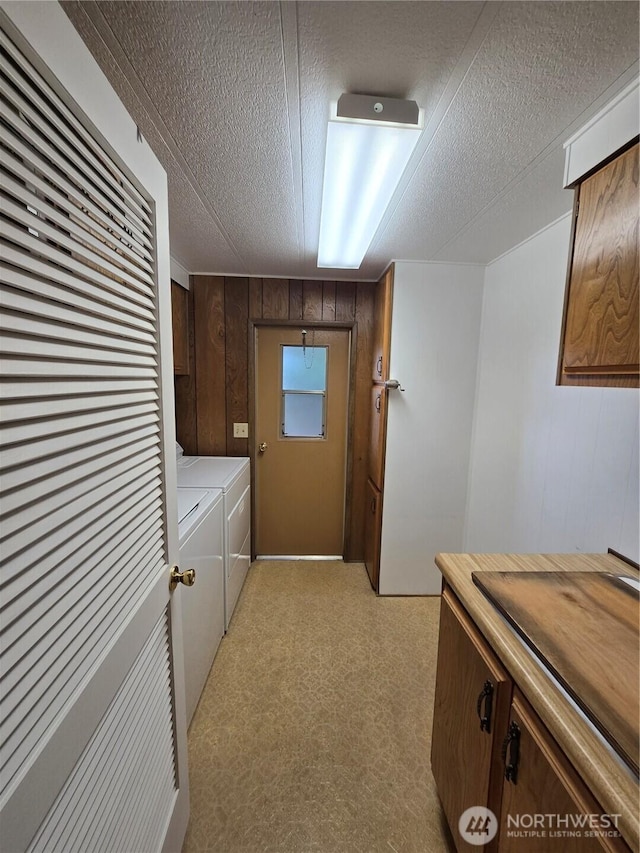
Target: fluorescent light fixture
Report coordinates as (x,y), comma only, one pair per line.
(369,143)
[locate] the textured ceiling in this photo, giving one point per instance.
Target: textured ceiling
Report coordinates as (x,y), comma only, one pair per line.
(234,99)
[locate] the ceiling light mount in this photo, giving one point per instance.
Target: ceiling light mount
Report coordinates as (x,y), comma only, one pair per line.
(375,108)
(370,140)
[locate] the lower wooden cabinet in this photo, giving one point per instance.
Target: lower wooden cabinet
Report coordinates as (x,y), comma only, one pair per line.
(373,533)
(543,787)
(490,749)
(473,693)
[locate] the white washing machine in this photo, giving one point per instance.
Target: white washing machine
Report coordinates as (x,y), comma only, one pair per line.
(232,475)
(200,531)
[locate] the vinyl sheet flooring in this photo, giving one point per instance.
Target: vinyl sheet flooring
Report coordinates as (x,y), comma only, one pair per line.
(312,734)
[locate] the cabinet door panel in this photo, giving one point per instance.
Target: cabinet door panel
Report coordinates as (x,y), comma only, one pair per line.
(180,323)
(372,533)
(382,327)
(464,760)
(602,318)
(546,785)
(377,434)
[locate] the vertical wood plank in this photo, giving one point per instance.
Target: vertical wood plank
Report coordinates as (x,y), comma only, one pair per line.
(329,301)
(312,300)
(185,393)
(295,299)
(236,310)
(275,299)
(255,298)
(209,326)
(345,301)
(364,306)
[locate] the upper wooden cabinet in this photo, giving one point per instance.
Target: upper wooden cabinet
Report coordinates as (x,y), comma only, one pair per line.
(600,342)
(180,321)
(382,327)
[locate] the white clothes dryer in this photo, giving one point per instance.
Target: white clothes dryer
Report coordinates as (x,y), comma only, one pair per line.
(200,530)
(232,475)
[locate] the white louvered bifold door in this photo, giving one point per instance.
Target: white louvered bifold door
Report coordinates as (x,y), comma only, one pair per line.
(87,707)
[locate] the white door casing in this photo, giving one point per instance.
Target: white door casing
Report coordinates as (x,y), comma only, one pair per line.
(93,744)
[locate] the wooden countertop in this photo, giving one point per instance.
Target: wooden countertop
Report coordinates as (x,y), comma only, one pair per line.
(610,781)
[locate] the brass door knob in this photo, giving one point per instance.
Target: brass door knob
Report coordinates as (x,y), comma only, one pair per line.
(262,447)
(188,577)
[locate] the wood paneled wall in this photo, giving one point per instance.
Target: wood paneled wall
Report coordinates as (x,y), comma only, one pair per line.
(216,392)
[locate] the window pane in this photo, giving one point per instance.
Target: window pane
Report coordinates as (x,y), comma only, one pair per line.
(304,368)
(303,415)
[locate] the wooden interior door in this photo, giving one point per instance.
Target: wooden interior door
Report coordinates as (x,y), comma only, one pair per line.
(300,479)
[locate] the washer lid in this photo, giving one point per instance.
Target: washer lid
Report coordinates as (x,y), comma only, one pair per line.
(206,472)
(188,500)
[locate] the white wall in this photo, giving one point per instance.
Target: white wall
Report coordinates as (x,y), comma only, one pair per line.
(553,469)
(434,344)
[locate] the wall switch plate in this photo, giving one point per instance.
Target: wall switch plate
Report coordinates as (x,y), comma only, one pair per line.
(241,430)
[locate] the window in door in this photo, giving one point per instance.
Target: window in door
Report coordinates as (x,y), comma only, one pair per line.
(304,391)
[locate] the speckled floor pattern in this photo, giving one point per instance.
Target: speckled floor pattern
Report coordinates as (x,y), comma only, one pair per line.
(312,733)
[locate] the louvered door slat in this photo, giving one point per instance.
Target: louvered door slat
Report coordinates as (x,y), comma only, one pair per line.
(12,434)
(15,344)
(33,244)
(38,306)
(79,481)
(76,386)
(28,217)
(18,294)
(73,222)
(25,131)
(28,409)
(42,568)
(39,115)
(56,685)
(96,223)
(77,634)
(69,825)
(52,519)
(61,469)
(20,368)
(39,89)
(58,285)
(52,445)
(36,326)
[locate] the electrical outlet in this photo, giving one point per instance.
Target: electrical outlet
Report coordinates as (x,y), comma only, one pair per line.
(241,430)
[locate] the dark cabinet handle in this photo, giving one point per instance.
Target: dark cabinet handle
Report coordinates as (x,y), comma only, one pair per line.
(379,366)
(486,698)
(373,505)
(378,403)
(511,753)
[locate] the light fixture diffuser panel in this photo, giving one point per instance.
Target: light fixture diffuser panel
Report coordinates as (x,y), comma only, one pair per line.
(363,165)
